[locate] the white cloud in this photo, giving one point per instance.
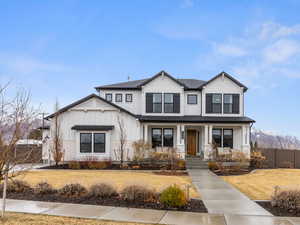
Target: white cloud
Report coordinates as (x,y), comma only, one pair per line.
(230,50)
(259,56)
(20,64)
(275,30)
(281,51)
(187,3)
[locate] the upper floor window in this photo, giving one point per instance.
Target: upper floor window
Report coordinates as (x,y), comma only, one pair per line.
(154,102)
(108,97)
(213,103)
(128,98)
(168,103)
(192,99)
(118,97)
(231,103)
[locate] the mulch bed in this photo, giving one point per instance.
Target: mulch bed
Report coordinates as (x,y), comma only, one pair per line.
(276,211)
(171,173)
(234,172)
(112,167)
(194,205)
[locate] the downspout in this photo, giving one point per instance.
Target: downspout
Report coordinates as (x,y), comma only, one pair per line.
(250,134)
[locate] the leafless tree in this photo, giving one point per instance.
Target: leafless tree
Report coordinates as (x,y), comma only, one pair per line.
(16,117)
(120,152)
(56,148)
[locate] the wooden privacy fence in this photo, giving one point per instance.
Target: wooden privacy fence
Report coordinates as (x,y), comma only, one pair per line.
(281,158)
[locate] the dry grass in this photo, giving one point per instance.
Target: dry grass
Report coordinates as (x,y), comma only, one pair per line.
(118,179)
(259,185)
(30,219)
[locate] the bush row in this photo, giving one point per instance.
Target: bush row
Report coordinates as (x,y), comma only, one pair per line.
(172,196)
(288,199)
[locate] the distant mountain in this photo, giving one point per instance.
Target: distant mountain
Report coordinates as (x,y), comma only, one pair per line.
(266,139)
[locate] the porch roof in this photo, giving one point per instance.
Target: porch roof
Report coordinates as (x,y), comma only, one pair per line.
(92,127)
(195,119)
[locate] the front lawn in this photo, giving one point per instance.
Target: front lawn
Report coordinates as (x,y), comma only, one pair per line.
(259,185)
(118,179)
(30,219)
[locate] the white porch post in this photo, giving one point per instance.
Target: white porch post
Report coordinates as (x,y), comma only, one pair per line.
(207,141)
(180,143)
(146,133)
(245,139)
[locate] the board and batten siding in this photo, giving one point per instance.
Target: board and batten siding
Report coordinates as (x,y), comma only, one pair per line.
(223,85)
(95,112)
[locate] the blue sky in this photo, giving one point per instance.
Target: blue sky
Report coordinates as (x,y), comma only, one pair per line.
(62,49)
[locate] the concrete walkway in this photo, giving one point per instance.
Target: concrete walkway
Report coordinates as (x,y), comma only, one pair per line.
(221,198)
(142,215)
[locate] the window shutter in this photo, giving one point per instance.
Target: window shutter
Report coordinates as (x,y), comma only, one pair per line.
(236,103)
(176,99)
(149,103)
(209,103)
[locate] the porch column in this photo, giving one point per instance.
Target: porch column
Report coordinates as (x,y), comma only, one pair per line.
(146,133)
(210,134)
(245,139)
(180,144)
(206,141)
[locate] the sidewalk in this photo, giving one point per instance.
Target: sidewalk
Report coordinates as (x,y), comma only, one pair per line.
(221,198)
(142,215)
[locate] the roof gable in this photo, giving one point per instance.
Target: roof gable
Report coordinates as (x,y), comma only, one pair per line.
(66,108)
(227,76)
(162,73)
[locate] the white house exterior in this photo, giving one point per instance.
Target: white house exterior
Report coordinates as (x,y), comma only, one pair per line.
(186,114)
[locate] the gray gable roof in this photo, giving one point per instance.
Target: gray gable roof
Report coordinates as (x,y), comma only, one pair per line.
(188,84)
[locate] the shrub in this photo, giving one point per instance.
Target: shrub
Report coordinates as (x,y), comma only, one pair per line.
(44,188)
(138,193)
(213,165)
(286,199)
(98,164)
(73,190)
(173,197)
(180,164)
(17,186)
(257,159)
(75,165)
(141,148)
(102,190)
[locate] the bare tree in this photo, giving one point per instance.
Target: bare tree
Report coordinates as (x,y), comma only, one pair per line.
(120,152)
(56,148)
(16,117)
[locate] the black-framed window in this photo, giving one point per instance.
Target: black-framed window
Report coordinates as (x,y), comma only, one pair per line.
(223,137)
(157,103)
(118,97)
(192,99)
(228,138)
(228,103)
(128,97)
(108,97)
(168,103)
(231,103)
(99,142)
(217,137)
(162,137)
(213,103)
(156,137)
(168,137)
(85,142)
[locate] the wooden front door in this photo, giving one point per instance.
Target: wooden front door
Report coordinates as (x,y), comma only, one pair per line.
(191,142)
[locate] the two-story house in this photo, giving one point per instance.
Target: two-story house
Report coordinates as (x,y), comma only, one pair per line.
(187,114)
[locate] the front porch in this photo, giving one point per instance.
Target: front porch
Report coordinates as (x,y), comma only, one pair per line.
(197,139)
